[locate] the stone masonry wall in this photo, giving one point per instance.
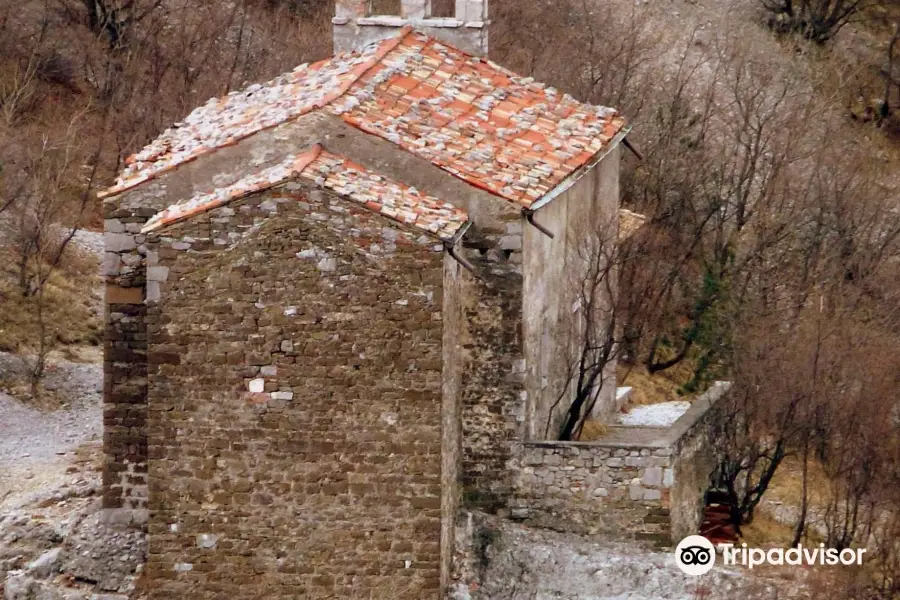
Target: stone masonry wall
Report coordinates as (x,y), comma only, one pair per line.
(295,398)
(693,462)
(354,26)
(492,396)
(589,489)
(651,490)
(125,360)
(125,369)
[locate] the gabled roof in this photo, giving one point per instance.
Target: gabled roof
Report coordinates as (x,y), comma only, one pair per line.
(506,134)
(333,172)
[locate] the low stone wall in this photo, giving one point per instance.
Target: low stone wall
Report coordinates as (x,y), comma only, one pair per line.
(590,488)
(636,482)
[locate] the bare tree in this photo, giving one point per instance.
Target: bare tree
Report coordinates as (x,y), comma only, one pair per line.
(816,20)
(891,72)
(49,212)
(594,346)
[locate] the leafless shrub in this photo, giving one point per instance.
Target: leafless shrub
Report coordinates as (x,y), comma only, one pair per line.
(816,20)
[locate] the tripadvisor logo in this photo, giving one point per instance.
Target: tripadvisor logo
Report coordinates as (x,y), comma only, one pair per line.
(695,555)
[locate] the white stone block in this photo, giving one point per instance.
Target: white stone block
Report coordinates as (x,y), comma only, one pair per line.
(652,495)
(207,540)
(153,293)
(157,273)
(113,226)
(668,477)
(119,242)
(653,476)
(111,264)
(256,386)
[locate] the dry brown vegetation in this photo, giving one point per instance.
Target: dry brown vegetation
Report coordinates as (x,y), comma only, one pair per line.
(771,254)
(83,83)
(773,244)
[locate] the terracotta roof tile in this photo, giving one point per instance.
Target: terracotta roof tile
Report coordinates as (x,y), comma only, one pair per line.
(509,135)
(225,121)
(338,174)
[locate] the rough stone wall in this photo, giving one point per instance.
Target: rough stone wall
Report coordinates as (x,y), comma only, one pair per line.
(593,489)
(295,394)
(650,490)
(125,345)
(354,26)
(483,384)
(693,463)
(125,360)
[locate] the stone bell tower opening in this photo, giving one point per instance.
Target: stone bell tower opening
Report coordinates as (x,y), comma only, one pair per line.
(461,23)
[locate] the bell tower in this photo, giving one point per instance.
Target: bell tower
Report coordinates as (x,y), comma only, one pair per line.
(460,23)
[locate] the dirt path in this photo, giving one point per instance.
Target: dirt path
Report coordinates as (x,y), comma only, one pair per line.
(38,445)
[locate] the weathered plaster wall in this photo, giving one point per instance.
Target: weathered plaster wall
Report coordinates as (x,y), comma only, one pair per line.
(295,404)
(451,414)
(555,269)
(354,26)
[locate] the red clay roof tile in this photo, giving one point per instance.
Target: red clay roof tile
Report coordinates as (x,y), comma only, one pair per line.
(509,135)
(340,175)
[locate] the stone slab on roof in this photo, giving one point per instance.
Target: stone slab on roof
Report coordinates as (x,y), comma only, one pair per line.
(476,120)
(509,135)
(338,174)
(225,121)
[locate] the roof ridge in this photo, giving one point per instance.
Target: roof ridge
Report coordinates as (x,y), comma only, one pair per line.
(389,45)
(386,46)
(164,218)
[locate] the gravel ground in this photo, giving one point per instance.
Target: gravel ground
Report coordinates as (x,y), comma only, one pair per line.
(54,544)
(36,446)
(535,564)
(89,240)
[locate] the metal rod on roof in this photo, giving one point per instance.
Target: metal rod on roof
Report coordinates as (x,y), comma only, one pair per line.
(632,148)
(451,250)
(529,216)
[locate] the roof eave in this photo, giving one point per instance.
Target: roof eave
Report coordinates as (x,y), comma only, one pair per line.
(581,171)
(459,233)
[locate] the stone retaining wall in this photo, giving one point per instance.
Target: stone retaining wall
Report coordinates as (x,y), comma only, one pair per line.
(650,488)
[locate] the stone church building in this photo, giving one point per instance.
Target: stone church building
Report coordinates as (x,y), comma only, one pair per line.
(339,309)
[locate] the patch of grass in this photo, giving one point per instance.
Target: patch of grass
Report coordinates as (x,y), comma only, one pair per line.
(787,483)
(72,312)
(766,532)
(592,430)
(658,387)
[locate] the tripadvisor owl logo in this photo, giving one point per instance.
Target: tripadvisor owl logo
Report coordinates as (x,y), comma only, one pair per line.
(695,555)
